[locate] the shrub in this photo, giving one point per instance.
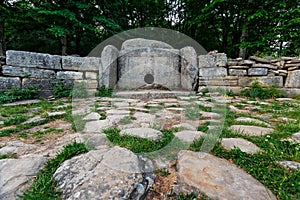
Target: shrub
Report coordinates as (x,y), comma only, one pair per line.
(17,94)
(60,91)
(256,90)
(104,92)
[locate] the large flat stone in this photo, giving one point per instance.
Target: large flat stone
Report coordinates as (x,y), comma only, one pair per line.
(81,63)
(27,72)
(107,173)
(251,130)
(147,133)
(189,136)
(242,144)
(293,79)
(247,119)
(33,60)
(212,71)
(16,173)
(96,126)
(69,75)
(141,42)
(8,83)
(258,71)
(217,178)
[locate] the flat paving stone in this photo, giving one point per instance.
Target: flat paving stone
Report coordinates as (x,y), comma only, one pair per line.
(185,126)
(217,178)
(144,117)
(210,115)
(121,104)
(251,130)
(58,113)
(117,112)
(242,144)
(248,119)
(96,126)
(34,119)
(290,164)
(147,133)
(189,136)
(22,103)
(92,116)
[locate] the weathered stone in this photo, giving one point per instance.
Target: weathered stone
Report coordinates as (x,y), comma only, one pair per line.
(114,173)
(22,103)
(238,67)
(293,79)
(27,72)
(293,61)
(16,148)
(92,116)
(269,66)
(285,58)
(251,130)
(8,83)
(55,114)
(143,67)
(290,164)
(218,81)
(242,144)
(209,115)
(91,75)
(141,42)
(34,119)
(271,81)
(247,62)
(185,126)
(258,71)
(247,119)
(16,173)
(189,136)
(88,84)
(212,72)
(237,72)
(96,126)
(69,75)
(42,84)
(189,67)
(215,60)
(292,68)
(147,133)
(34,60)
(258,59)
(221,60)
(118,112)
(81,63)
(109,72)
(217,178)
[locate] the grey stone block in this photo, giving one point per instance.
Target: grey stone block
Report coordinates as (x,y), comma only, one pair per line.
(42,84)
(8,83)
(108,75)
(293,79)
(27,72)
(34,60)
(258,71)
(237,72)
(161,66)
(81,63)
(189,67)
(69,75)
(141,43)
(212,71)
(214,60)
(272,80)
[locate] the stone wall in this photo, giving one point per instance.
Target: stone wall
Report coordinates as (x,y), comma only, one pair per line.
(21,69)
(216,70)
(171,68)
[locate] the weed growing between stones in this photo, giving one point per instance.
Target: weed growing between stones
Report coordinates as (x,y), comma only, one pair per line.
(61,91)
(256,90)
(44,187)
(104,92)
(17,94)
(136,144)
(7,156)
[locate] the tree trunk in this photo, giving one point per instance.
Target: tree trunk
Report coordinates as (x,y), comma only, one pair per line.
(242,52)
(2,42)
(63,40)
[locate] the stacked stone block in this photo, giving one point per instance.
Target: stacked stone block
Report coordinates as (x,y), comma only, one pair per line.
(43,71)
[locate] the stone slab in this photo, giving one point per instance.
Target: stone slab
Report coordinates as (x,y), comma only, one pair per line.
(217,178)
(28,72)
(258,71)
(8,83)
(251,130)
(189,136)
(242,144)
(147,133)
(81,63)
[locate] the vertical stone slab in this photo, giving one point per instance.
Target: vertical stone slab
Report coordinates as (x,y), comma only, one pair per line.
(189,68)
(293,79)
(108,74)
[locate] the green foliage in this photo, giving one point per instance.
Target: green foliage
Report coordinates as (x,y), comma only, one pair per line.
(44,187)
(258,91)
(16,94)
(136,144)
(79,90)
(60,91)
(6,156)
(104,92)
(163,172)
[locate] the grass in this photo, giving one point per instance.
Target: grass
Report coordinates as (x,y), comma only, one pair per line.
(44,187)
(16,94)
(6,156)
(136,144)
(127,120)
